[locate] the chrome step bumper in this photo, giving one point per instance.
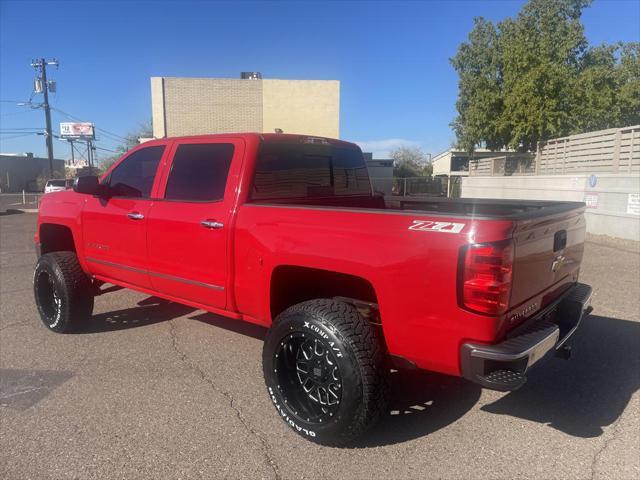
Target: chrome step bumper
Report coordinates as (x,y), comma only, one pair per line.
(503,366)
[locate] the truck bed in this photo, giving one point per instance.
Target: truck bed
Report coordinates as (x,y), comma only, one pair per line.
(479,208)
(484,208)
(548,238)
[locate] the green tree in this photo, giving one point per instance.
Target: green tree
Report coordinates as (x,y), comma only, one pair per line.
(535,77)
(480,101)
(597,88)
(628,77)
(410,162)
(541,51)
(144,130)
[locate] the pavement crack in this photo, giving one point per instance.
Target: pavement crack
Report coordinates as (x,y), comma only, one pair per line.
(605,445)
(21,392)
(266,449)
(14,324)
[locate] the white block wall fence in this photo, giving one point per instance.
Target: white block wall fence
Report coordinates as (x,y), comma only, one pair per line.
(613,199)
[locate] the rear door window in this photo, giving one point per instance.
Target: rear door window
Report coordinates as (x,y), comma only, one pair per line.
(199,172)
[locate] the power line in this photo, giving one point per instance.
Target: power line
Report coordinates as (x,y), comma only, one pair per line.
(8,131)
(106,150)
(14,113)
(113,136)
(20,131)
(107,132)
(16,136)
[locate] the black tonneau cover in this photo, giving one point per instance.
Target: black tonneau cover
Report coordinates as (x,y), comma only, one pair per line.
(483,207)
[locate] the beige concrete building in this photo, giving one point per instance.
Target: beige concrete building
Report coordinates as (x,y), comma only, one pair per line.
(193,106)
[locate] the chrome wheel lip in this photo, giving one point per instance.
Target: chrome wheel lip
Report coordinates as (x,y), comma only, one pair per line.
(321,383)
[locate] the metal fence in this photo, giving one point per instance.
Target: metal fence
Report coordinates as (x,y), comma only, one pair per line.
(506,164)
(423,186)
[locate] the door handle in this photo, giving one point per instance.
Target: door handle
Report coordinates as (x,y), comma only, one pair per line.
(211,224)
(135,216)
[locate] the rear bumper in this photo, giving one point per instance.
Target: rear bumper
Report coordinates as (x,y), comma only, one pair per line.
(503,366)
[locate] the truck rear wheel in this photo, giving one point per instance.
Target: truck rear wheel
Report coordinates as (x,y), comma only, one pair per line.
(324,370)
(62,291)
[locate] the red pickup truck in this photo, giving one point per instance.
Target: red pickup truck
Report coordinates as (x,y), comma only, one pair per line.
(284,231)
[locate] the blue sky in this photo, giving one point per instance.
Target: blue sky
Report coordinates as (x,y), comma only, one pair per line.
(397,86)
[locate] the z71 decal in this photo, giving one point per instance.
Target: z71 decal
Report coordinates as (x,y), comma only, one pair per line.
(429,226)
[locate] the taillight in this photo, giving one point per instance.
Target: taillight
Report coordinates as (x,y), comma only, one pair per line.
(486,277)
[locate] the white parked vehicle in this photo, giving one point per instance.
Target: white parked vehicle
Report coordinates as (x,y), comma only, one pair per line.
(57,185)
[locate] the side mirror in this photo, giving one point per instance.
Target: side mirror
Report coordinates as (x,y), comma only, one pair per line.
(89,185)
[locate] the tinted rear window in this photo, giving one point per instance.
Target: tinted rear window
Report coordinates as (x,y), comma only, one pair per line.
(56,183)
(288,170)
(199,172)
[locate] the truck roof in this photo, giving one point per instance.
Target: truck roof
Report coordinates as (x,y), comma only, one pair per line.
(267,137)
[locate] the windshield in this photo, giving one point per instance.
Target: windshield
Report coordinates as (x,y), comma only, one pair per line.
(298,170)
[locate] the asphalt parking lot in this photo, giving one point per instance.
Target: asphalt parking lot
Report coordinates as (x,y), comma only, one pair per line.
(14,201)
(151,389)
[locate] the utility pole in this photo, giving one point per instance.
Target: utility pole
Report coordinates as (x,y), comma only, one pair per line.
(42,83)
(73,158)
(90,155)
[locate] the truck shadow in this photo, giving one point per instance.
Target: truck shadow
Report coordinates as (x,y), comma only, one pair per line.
(243,328)
(581,396)
(149,311)
(578,397)
(421,403)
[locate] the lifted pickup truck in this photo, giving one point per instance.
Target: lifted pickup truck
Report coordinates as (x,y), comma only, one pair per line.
(284,231)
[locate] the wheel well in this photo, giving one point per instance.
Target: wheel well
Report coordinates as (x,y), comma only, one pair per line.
(291,285)
(56,238)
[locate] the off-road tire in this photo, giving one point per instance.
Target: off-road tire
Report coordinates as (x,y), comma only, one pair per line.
(62,291)
(357,349)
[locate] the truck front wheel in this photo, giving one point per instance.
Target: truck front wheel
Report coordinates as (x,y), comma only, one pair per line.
(324,370)
(62,291)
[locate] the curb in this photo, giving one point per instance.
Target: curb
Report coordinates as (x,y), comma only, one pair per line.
(10,211)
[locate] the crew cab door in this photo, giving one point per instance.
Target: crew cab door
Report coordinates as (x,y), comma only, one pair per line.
(114,227)
(188,226)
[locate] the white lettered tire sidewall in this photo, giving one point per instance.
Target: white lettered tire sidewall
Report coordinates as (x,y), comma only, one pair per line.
(47,267)
(301,321)
(71,285)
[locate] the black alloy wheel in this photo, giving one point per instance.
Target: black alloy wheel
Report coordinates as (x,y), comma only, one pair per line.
(324,370)
(63,292)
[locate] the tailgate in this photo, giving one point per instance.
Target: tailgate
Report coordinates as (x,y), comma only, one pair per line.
(548,252)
